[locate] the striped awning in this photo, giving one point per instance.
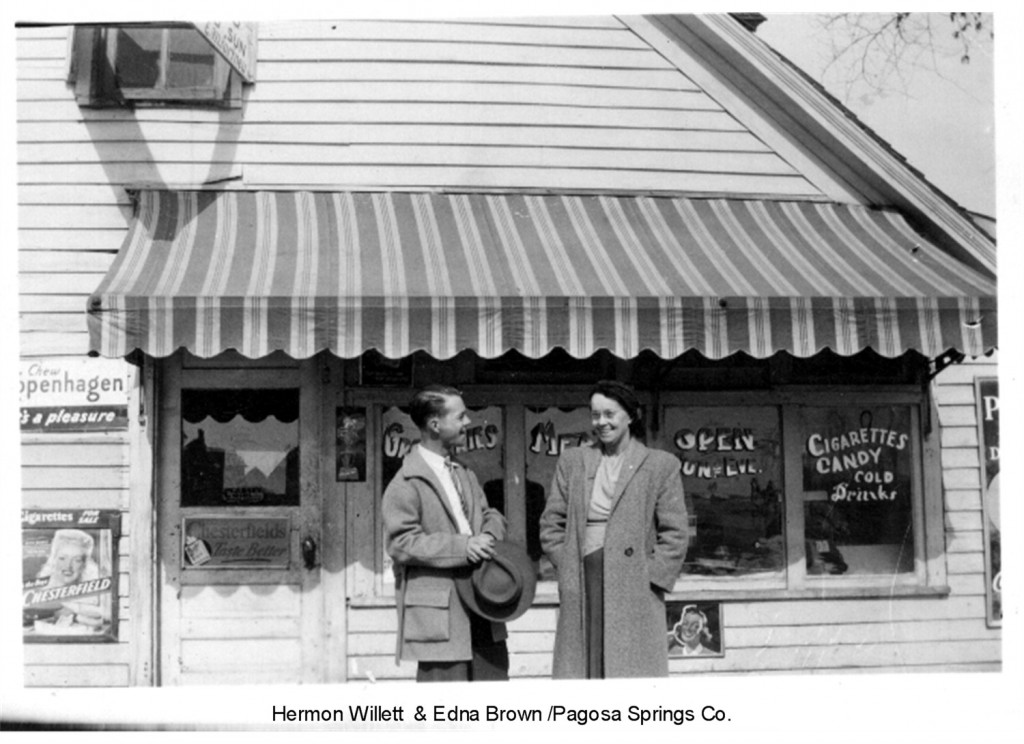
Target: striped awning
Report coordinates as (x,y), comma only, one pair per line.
(301,272)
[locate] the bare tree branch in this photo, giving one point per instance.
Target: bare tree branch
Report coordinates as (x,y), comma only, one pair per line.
(873,52)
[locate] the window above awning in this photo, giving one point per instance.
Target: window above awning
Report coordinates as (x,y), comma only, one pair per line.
(301,272)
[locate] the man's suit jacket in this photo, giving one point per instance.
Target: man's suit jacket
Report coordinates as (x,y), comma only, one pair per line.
(424,541)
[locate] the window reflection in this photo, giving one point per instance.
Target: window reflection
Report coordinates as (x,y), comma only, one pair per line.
(857,490)
(171,59)
(240,448)
(732,474)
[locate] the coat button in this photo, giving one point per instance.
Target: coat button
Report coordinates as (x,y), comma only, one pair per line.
(629,552)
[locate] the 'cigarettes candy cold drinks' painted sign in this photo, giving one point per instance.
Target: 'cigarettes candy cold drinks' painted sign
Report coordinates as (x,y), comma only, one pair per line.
(859,456)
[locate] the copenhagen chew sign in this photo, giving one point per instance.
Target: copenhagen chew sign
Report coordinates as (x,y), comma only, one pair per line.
(73,395)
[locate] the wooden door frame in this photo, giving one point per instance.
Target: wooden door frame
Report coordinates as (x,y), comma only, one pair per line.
(142,534)
(314,471)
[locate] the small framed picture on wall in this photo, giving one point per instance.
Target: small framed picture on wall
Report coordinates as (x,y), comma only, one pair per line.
(694,629)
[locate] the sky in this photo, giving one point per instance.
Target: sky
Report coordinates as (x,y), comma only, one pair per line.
(939,113)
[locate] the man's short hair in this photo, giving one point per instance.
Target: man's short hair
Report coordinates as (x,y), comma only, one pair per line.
(430,402)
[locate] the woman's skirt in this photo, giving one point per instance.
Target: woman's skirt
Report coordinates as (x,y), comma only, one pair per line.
(593,577)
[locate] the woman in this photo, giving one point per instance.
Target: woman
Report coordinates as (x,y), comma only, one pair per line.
(615,528)
(71,562)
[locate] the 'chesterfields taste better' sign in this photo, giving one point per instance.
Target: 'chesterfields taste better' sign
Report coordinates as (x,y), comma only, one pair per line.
(73,395)
(236,542)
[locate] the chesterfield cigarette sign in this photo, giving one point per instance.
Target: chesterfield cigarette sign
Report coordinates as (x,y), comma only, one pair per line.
(74,395)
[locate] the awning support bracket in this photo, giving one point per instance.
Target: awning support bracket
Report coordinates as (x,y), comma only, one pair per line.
(943,360)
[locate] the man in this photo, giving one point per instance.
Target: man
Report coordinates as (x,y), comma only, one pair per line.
(438,524)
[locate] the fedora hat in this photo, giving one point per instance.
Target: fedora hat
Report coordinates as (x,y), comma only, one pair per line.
(502,588)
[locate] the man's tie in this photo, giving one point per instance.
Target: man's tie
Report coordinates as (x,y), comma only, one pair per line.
(458,486)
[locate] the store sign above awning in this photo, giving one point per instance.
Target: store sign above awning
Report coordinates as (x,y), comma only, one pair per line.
(236,43)
(302,272)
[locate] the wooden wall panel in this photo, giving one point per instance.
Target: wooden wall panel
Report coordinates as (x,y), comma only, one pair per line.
(587,32)
(296,50)
(86,675)
(595,134)
(45,239)
(412,155)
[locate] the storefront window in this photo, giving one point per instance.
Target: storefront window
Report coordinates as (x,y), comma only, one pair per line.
(240,448)
(785,491)
(857,490)
(732,475)
(549,432)
(483,453)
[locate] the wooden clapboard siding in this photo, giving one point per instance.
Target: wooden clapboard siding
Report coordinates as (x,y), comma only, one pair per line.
(955,394)
(968,585)
(46,239)
(79,471)
(54,498)
(540,104)
(390,154)
(469,175)
(73,216)
(76,675)
(52,304)
(65,248)
(964,541)
(297,50)
(54,323)
(838,657)
(591,136)
(42,344)
(75,478)
(584,32)
(376,177)
(780,636)
(959,436)
(50,195)
(60,284)
(501,74)
(55,454)
(961,457)
(42,262)
(961,520)
(473,92)
(962,478)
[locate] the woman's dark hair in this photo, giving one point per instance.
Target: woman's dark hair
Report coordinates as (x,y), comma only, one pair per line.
(626,397)
(430,402)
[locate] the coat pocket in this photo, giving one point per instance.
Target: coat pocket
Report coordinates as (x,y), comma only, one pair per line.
(426,614)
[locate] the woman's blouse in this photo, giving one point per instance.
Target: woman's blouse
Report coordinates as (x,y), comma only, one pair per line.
(601,501)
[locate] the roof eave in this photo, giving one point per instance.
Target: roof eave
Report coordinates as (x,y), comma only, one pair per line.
(751,62)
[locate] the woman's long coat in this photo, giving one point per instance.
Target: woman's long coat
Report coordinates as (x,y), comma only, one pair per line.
(645,543)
